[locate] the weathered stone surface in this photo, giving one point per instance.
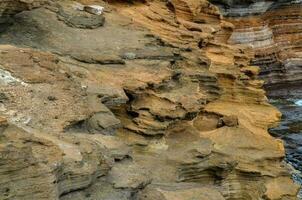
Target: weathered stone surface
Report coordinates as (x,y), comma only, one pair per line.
(129,175)
(99,59)
(273,30)
(103,122)
(231,121)
(179,192)
(74,18)
(160,77)
(40,166)
(11,7)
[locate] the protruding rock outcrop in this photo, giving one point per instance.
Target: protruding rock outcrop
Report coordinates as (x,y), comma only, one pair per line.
(153,105)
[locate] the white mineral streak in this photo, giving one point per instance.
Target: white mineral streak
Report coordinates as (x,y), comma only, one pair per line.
(94,9)
(257,37)
(78,6)
(6,78)
(299,102)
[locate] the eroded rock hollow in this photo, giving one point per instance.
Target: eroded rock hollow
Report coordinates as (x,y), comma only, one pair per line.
(138,100)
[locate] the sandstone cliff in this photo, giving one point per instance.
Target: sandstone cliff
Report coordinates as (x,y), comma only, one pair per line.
(273,29)
(149,101)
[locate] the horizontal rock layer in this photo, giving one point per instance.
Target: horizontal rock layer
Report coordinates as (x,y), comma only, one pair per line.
(275,36)
(155,104)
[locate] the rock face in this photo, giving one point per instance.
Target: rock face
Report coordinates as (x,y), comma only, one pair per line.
(72,17)
(11,7)
(155,104)
(273,30)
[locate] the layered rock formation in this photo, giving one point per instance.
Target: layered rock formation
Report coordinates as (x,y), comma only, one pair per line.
(152,105)
(273,30)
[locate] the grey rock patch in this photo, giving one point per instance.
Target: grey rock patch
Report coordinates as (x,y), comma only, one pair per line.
(102,59)
(7,78)
(103,122)
(108,95)
(129,175)
(129,56)
(101,190)
(79,19)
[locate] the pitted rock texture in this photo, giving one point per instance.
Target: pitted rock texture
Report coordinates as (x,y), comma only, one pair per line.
(153,105)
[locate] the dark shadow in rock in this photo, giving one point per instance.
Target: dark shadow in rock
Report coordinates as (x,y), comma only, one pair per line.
(23,30)
(77,126)
(99,123)
(5,23)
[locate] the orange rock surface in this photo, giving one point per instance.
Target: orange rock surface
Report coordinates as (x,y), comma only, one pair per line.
(154,104)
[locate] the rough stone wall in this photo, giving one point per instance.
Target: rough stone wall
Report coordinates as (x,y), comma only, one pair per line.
(154,104)
(11,7)
(273,30)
